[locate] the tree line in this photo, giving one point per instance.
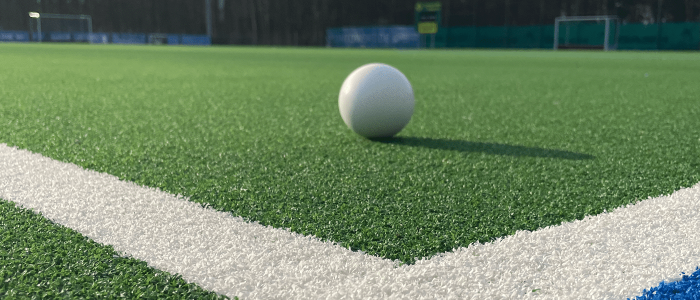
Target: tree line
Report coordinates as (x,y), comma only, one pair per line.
(303,22)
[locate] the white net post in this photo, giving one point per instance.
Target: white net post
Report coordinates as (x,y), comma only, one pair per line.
(606,42)
(556,33)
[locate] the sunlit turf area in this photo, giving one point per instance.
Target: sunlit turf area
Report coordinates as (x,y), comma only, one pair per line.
(42,260)
(500,141)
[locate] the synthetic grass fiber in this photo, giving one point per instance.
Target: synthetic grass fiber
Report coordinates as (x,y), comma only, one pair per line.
(500,140)
(43,260)
(612,255)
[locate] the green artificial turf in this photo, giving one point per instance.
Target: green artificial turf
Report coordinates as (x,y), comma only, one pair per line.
(43,260)
(500,140)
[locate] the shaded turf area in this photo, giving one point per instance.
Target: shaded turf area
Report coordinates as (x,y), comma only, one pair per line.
(43,260)
(500,140)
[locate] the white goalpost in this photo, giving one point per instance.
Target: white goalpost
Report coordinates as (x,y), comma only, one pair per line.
(61,23)
(583,32)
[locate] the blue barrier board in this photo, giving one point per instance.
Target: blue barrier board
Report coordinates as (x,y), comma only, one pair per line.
(128,38)
(173,39)
(14,36)
(373,37)
(189,39)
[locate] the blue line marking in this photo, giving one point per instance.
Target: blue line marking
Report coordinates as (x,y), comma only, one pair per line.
(685,289)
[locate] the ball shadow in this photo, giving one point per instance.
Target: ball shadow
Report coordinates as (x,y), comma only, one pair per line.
(490,148)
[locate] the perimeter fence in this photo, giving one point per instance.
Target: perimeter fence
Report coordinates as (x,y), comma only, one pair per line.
(632,36)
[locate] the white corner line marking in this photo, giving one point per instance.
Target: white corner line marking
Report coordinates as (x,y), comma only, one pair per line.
(610,256)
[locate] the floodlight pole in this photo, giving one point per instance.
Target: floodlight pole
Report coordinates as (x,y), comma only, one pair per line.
(208,17)
(89,20)
(38,28)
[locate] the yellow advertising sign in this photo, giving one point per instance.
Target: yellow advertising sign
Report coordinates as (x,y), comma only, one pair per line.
(427,28)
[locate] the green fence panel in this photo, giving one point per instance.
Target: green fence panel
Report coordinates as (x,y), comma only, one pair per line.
(581,33)
(680,36)
(638,37)
(461,37)
(674,36)
(548,36)
(441,38)
(526,37)
(496,37)
(491,37)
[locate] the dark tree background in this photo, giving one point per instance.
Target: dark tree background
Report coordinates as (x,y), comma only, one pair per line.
(303,22)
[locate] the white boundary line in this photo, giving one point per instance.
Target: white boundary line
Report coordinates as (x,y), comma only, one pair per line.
(610,256)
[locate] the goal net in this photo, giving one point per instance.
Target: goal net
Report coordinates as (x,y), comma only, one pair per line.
(60,27)
(586,32)
(158,39)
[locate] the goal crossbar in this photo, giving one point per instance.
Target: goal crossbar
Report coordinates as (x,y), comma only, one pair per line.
(606,18)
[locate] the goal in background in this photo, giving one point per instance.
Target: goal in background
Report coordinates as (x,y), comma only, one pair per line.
(158,39)
(60,27)
(586,32)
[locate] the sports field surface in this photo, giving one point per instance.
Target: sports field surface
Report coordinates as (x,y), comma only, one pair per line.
(500,142)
